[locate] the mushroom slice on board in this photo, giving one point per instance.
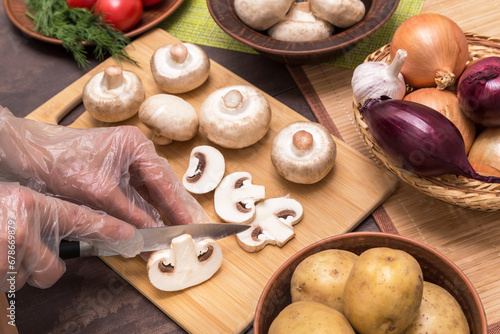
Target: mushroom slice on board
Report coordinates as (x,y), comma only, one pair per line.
(301,25)
(235,116)
(180,68)
(273,224)
(113,95)
(205,171)
(169,117)
(303,152)
(185,264)
(235,197)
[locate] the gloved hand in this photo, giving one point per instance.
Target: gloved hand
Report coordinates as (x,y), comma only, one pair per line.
(113,169)
(32,225)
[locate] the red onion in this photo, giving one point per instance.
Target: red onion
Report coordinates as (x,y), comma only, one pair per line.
(478,91)
(419,138)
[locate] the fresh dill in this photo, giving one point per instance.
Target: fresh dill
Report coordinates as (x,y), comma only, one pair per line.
(72,26)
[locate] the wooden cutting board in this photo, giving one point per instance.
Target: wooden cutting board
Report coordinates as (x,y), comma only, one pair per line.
(226,303)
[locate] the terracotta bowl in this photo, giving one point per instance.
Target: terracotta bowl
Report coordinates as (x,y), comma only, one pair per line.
(299,53)
(437,269)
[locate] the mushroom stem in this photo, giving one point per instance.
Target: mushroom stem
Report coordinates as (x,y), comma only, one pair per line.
(179,53)
(302,140)
(113,77)
(233,99)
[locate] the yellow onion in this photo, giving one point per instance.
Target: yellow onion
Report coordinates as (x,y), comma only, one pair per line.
(484,154)
(437,50)
(447,104)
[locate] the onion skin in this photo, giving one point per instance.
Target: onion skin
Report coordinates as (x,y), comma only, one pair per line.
(446,103)
(437,50)
(419,139)
(484,155)
(478,91)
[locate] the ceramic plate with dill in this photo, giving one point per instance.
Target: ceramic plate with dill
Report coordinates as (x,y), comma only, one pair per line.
(17,11)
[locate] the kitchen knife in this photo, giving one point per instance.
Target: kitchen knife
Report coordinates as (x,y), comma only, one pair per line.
(155,238)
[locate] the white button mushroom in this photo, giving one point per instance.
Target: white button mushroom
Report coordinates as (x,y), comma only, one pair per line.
(340,13)
(113,95)
(235,197)
(169,117)
(301,25)
(303,152)
(180,68)
(205,171)
(261,14)
(235,116)
(273,224)
(185,264)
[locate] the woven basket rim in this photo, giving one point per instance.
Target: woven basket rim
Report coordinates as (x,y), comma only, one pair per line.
(457,190)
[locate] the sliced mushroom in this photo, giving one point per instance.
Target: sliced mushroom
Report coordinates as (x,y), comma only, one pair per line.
(185,264)
(273,224)
(180,68)
(205,171)
(301,25)
(235,116)
(303,152)
(340,13)
(261,14)
(170,117)
(113,95)
(235,197)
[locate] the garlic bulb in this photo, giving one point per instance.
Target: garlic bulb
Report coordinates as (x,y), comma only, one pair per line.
(371,80)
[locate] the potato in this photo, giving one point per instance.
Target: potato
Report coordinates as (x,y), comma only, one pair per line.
(439,313)
(306,317)
(383,291)
(321,277)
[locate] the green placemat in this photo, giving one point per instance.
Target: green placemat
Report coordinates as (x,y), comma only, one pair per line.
(192,23)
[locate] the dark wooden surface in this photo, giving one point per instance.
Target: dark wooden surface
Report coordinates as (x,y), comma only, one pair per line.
(91,297)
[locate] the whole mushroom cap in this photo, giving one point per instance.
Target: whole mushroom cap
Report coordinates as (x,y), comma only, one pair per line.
(261,14)
(300,25)
(113,95)
(303,152)
(180,68)
(235,116)
(170,117)
(340,13)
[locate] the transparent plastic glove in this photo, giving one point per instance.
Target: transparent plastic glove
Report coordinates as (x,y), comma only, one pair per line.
(32,226)
(113,169)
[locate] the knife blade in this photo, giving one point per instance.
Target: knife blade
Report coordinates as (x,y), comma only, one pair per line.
(155,238)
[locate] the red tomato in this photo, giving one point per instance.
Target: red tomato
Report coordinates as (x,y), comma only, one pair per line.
(148,3)
(123,14)
(80,3)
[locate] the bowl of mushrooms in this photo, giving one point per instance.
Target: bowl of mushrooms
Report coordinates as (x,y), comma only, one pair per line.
(301,32)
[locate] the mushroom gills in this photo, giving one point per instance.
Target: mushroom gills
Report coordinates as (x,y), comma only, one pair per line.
(235,197)
(273,224)
(205,170)
(187,263)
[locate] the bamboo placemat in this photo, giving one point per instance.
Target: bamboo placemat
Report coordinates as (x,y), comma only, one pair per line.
(192,22)
(469,238)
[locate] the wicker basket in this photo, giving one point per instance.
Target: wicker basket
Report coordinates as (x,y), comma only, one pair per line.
(461,191)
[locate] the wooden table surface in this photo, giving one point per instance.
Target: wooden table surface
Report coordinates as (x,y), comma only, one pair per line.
(91,297)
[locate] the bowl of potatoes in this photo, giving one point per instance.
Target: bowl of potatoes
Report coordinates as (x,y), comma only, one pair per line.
(369,282)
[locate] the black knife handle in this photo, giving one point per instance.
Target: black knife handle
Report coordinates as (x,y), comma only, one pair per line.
(69,249)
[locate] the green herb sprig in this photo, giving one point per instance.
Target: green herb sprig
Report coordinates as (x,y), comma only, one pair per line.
(53,18)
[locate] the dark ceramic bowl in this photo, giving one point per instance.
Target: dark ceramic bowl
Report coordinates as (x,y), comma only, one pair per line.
(436,268)
(299,53)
